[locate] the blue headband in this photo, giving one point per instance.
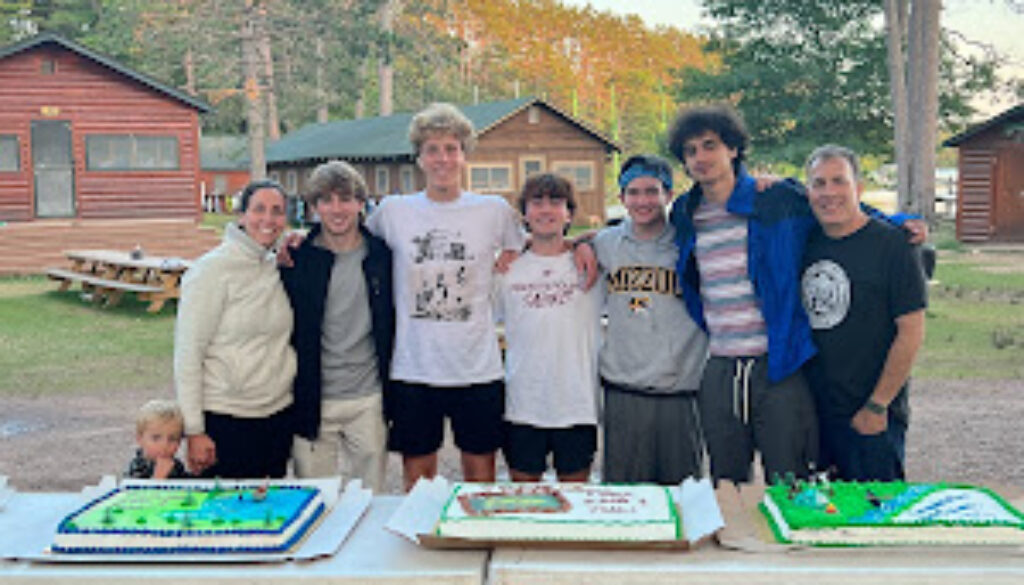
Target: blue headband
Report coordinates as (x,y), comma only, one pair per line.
(642,170)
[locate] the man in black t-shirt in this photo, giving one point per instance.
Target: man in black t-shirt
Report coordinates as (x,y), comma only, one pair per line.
(864,292)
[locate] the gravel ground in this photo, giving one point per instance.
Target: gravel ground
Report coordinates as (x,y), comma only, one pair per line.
(963,430)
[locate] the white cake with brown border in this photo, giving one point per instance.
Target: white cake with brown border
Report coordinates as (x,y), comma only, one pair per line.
(562,512)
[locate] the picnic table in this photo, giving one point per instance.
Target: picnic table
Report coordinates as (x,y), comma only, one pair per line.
(107,274)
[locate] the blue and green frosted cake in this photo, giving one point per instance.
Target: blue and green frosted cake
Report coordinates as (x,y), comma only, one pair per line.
(895,513)
(191,519)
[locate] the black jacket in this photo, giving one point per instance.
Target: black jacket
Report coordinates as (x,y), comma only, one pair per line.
(307,283)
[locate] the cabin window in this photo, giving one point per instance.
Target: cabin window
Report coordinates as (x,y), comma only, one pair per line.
(291,181)
(581,173)
(529,166)
(274,176)
(9,159)
(408,178)
(382,180)
(491,177)
(131,152)
(220,184)
(47,66)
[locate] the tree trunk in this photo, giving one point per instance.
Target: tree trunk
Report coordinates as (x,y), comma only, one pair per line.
(923,59)
(385,71)
(321,92)
(360,109)
(188,64)
(896,30)
(263,39)
(253,94)
(914,82)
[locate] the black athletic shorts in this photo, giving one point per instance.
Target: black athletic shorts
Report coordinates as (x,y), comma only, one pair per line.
(526,448)
(418,412)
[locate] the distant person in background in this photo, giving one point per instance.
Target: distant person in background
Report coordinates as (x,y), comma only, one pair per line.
(865,294)
(552,333)
(340,289)
(159,429)
(233,364)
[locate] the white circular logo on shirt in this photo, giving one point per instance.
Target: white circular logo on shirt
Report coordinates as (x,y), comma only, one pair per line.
(826,292)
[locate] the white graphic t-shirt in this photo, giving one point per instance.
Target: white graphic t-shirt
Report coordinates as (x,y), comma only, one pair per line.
(443,269)
(552,334)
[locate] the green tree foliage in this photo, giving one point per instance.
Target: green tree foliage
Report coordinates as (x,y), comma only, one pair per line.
(614,72)
(803,73)
(70,18)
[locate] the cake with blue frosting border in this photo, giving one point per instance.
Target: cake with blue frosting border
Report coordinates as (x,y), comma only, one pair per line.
(180,518)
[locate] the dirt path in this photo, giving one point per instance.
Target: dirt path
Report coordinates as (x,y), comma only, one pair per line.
(961,430)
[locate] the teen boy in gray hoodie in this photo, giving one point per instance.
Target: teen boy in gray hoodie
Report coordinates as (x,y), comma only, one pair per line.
(653,353)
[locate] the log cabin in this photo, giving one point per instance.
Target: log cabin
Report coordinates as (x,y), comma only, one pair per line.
(93,155)
(990,184)
(515,138)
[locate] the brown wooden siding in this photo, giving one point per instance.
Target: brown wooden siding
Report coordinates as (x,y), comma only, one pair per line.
(973,218)
(554,139)
(1008,211)
(96,100)
(235,181)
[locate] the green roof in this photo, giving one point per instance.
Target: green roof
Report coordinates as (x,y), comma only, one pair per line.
(387,137)
(52,39)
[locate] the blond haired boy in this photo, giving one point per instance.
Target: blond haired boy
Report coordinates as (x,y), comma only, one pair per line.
(158,431)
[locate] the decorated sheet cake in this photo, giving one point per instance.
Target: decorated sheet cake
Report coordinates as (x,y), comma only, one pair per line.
(189,519)
(875,513)
(563,512)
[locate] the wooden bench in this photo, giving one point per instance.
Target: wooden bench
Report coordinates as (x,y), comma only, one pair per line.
(109,291)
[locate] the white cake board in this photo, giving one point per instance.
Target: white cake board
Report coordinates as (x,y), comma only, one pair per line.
(416,517)
(36,530)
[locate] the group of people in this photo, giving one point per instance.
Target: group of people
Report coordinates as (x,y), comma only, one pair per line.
(747,315)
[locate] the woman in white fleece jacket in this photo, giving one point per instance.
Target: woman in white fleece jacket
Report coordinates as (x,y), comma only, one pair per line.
(233,363)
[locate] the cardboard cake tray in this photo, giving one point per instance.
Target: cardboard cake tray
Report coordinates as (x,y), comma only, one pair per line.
(416,517)
(343,511)
(448,543)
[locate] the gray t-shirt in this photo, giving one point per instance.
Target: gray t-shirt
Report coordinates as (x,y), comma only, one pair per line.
(651,344)
(349,362)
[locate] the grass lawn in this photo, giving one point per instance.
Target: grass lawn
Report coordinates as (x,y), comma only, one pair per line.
(54,343)
(217,221)
(975,318)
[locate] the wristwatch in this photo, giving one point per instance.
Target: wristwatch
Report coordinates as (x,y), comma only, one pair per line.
(875,407)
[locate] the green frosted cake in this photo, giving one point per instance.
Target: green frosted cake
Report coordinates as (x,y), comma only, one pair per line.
(896,513)
(191,519)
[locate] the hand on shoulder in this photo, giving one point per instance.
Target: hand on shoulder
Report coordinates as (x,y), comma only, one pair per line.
(290,241)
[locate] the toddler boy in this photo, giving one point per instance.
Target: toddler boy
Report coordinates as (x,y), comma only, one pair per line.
(158,431)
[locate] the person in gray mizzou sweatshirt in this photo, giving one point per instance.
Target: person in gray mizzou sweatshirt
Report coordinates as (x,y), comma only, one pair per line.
(653,352)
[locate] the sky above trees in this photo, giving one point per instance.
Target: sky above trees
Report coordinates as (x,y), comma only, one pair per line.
(986,22)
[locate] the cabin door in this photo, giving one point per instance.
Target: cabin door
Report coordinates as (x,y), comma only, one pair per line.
(1008,193)
(53,168)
